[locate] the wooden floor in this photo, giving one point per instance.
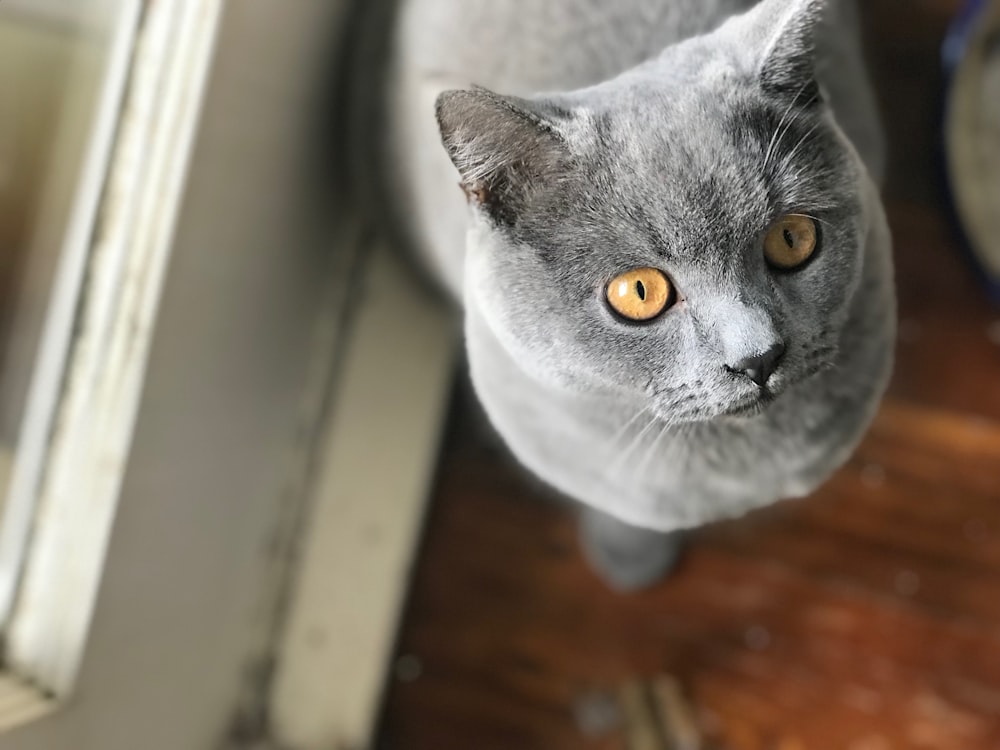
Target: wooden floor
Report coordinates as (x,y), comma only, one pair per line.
(864,618)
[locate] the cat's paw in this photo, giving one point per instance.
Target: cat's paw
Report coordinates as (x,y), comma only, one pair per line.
(628,558)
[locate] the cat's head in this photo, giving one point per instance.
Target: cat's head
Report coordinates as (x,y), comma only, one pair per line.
(690,233)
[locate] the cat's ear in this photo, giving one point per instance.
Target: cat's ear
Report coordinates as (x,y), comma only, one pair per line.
(788,67)
(503,147)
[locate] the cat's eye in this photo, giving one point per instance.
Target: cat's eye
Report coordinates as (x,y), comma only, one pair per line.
(640,295)
(790,242)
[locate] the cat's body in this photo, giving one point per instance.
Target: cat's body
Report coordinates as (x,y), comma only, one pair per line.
(638,421)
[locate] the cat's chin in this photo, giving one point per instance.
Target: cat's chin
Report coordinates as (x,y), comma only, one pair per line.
(756,403)
(747,407)
(753,406)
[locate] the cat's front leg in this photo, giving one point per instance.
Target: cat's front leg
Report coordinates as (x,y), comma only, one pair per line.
(628,558)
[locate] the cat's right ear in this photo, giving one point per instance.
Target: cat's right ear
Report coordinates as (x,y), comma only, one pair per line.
(789,64)
(503,147)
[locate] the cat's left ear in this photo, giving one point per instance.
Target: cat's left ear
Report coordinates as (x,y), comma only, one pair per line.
(788,67)
(505,148)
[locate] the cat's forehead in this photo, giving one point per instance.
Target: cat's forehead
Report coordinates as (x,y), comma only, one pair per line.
(689,171)
(616,218)
(655,118)
(708,155)
(682,170)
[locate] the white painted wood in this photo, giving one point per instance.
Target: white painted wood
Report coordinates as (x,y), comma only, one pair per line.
(100,64)
(88,452)
(247,341)
(372,484)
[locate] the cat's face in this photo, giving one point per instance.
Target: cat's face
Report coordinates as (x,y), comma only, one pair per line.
(636,238)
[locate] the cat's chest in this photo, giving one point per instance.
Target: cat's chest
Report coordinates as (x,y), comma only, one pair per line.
(773,449)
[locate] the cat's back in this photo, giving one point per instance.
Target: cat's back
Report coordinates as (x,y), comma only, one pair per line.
(527,46)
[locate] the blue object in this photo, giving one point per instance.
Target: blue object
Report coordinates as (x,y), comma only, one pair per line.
(954,51)
(956,41)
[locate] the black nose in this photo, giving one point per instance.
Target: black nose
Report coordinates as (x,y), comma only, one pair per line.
(760,368)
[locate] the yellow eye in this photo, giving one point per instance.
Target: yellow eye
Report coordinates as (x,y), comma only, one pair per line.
(790,242)
(640,295)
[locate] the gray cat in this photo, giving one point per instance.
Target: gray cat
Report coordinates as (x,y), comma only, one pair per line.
(675,265)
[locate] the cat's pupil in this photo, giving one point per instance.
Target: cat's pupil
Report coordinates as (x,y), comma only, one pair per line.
(789,239)
(640,290)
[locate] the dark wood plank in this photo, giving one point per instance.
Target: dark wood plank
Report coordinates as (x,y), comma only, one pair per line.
(864,618)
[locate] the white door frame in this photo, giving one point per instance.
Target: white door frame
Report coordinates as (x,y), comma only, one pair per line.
(81,155)
(85,446)
(254,382)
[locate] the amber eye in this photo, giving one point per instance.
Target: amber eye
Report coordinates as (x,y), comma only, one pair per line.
(640,295)
(790,242)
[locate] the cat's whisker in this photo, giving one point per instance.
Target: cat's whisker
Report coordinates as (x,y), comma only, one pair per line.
(817,220)
(783,125)
(651,451)
(794,152)
(776,139)
(623,430)
(677,453)
(817,206)
(623,457)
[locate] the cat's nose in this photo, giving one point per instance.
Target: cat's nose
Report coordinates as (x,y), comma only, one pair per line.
(759,368)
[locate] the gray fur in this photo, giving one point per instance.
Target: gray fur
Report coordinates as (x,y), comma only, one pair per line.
(629,557)
(672,134)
